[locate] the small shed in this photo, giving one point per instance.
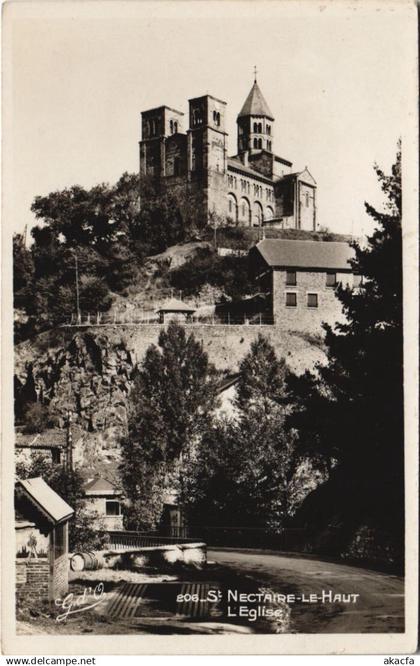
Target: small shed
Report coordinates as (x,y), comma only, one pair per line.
(175,309)
(104,498)
(41,572)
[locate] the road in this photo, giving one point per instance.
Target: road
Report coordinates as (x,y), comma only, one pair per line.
(379,608)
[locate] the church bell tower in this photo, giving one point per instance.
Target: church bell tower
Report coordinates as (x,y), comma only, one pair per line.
(255,123)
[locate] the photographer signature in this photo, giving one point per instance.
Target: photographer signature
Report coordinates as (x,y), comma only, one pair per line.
(77,603)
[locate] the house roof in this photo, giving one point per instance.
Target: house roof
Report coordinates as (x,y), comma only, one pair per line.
(304,176)
(255,104)
(282,253)
(49,439)
(45,499)
(175,305)
(227,382)
(100,486)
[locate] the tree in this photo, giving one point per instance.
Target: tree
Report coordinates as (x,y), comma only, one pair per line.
(36,418)
(171,401)
(262,384)
(243,472)
(111,235)
(230,274)
(350,413)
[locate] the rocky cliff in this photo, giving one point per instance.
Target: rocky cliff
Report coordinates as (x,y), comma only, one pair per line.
(89,372)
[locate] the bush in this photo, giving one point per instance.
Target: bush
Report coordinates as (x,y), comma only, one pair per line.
(36,418)
(230,274)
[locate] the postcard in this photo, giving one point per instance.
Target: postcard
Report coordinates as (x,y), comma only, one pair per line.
(210,305)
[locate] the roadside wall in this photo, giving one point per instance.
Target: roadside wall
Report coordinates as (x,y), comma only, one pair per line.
(225,345)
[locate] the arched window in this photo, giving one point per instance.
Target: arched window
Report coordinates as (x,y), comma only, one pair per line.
(255,143)
(175,126)
(268,129)
(260,143)
(232,207)
(269,145)
(245,212)
(259,128)
(307,198)
(269,214)
(171,126)
(257,214)
(255,128)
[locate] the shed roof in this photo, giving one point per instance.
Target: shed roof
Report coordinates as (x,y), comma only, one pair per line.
(45,499)
(282,253)
(175,305)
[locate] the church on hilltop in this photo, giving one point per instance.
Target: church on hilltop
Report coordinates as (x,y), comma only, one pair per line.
(253,188)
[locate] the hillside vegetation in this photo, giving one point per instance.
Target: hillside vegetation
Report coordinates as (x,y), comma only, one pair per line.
(96,250)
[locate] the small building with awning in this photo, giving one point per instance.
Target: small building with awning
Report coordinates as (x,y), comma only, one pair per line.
(42,564)
(175,309)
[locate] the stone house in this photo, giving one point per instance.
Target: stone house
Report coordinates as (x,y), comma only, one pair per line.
(42,561)
(104,498)
(54,444)
(253,187)
(300,277)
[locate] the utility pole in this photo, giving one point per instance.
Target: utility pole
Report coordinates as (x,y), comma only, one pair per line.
(69,452)
(79,318)
(215,230)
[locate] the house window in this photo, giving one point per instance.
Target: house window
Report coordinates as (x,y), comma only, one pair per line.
(112,508)
(306,199)
(331,279)
(255,128)
(291,278)
(268,129)
(269,145)
(312,300)
(260,143)
(255,143)
(291,299)
(171,126)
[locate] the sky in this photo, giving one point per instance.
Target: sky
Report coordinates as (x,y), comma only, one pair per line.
(336,77)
